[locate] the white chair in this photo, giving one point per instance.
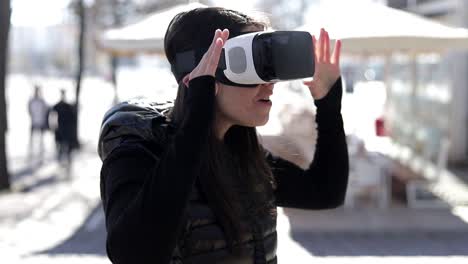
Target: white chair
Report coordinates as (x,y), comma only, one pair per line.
(368,176)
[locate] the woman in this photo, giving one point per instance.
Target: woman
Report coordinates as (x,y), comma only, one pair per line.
(193,184)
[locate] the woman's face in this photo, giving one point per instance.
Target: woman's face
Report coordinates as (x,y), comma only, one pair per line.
(244,106)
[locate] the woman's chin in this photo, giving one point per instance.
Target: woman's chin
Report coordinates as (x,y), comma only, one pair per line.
(260,122)
(254,122)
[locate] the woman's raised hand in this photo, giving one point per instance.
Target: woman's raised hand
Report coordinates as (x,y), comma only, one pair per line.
(327,67)
(209,62)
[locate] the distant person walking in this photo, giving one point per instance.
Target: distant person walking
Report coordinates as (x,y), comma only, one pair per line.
(38,111)
(63,120)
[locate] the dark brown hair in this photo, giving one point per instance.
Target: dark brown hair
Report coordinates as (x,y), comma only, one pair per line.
(235,178)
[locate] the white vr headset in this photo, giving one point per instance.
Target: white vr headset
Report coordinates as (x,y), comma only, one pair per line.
(261,57)
(264,57)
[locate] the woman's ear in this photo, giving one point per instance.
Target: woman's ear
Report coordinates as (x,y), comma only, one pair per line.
(216,88)
(186,80)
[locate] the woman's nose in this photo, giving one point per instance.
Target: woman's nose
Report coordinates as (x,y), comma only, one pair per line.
(269,86)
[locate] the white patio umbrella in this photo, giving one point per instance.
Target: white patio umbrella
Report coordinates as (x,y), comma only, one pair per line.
(373,28)
(145,36)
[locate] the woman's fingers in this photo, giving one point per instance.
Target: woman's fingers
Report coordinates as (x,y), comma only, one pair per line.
(322,45)
(207,56)
(218,47)
(322,49)
(326,65)
(207,60)
(336,53)
(214,58)
(225,34)
(213,42)
(317,49)
(326,47)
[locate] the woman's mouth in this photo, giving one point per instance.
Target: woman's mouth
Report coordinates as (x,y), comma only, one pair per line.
(265,101)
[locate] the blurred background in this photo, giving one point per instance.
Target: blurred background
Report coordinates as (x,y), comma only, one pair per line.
(64,63)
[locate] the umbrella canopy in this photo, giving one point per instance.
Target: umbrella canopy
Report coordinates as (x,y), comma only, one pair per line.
(146,36)
(374,28)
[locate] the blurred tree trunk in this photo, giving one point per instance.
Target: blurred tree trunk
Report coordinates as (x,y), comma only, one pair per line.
(114,60)
(114,63)
(81,63)
(5,13)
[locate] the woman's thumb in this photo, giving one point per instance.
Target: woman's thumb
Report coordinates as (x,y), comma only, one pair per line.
(186,80)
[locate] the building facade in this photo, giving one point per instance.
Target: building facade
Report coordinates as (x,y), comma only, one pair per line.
(432,109)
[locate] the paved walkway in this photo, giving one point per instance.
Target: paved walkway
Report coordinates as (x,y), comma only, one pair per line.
(45,209)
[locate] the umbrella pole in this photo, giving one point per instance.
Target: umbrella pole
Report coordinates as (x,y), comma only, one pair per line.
(413,100)
(388,87)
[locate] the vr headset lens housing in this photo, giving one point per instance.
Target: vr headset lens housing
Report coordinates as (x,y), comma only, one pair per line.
(263,57)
